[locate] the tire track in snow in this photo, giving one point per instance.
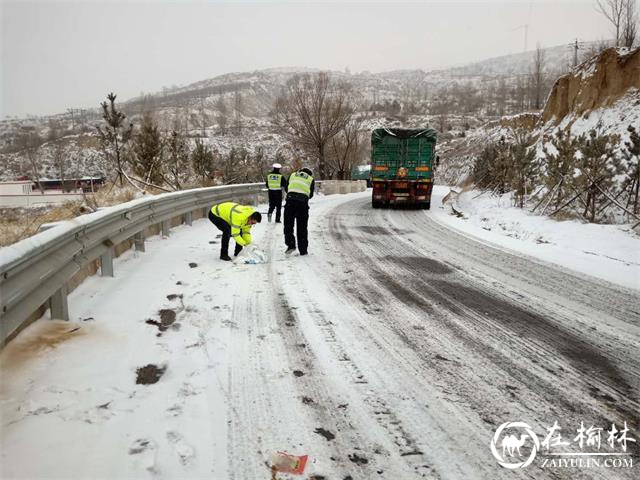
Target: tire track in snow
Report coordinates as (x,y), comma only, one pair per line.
(411,285)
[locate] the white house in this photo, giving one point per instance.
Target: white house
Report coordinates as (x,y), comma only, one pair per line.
(19,187)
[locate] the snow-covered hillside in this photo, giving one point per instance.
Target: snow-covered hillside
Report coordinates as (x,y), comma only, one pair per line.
(604,95)
(211,109)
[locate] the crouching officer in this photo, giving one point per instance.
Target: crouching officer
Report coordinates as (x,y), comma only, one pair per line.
(275,183)
(296,210)
(233,220)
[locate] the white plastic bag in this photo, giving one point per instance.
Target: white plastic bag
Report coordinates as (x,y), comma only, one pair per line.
(255,256)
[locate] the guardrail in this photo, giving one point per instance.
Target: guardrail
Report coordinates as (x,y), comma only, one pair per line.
(331,187)
(35,273)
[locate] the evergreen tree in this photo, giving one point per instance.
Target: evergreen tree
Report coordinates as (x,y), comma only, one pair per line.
(202,160)
(597,169)
(631,154)
(525,169)
(115,135)
(176,160)
(493,168)
(559,164)
(147,147)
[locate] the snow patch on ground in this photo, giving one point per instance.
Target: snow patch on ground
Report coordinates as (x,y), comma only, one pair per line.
(609,252)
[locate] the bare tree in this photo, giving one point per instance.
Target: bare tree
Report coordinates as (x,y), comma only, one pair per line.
(238,108)
(115,135)
(311,111)
(613,10)
(629,23)
(222,115)
(537,77)
(29,142)
(346,148)
(594,48)
(60,162)
(204,118)
(442,122)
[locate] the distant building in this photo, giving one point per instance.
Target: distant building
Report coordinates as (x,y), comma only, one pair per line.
(25,192)
(85,184)
(18,187)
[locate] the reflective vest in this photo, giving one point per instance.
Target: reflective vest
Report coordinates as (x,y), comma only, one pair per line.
(300,182)
(236,216)
(274,181)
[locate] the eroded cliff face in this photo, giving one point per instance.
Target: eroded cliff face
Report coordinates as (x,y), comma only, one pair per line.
(596,83)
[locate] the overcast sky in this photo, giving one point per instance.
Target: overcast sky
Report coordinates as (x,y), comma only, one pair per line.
(55,55)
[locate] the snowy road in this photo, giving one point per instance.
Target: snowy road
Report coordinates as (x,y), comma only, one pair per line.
(394,350)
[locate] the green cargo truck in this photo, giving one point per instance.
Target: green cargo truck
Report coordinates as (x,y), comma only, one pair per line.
(402,162)
(362,172)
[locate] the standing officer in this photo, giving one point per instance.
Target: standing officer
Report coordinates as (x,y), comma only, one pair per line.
(300,190)
(233,220)
(275,183)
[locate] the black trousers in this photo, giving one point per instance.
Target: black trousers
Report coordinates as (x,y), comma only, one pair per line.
(298,213)
(275,202)
(225,228)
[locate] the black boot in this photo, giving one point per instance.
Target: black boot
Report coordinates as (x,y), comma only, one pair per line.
(226,258)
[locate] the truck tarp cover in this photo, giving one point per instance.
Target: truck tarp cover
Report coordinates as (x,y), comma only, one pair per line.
(403,133)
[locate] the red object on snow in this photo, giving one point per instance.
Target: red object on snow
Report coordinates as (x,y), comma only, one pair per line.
(287,463)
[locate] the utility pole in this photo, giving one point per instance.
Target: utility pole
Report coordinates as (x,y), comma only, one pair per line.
(575,46)
(525,27)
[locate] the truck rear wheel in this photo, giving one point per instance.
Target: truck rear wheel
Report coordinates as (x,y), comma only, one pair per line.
(375,204)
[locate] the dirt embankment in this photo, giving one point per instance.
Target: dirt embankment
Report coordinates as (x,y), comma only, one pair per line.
(596,83)
(520,121)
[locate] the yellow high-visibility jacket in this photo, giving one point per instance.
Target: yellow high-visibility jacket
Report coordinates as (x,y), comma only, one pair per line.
(236,216)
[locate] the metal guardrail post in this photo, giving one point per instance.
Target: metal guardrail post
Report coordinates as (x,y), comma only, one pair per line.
(59,305)
(138,241)
(165,228)
(188,218)
(106,263)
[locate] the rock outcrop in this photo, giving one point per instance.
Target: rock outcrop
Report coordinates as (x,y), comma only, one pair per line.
(596,83)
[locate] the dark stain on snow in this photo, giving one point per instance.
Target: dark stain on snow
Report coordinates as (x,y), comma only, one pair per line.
(357,459)
(373,230)
(298,373)
(412,452)
(167,318)
(423,264)
(325,433)
(173,296)
(139,446)
(193,264)
(149,374)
